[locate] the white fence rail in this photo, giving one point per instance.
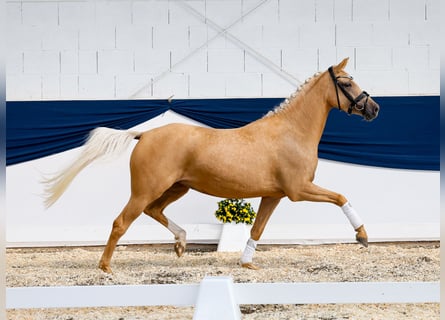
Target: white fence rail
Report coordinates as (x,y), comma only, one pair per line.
(220,296)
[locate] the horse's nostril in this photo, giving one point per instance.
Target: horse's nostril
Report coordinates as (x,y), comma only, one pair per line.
(376,109)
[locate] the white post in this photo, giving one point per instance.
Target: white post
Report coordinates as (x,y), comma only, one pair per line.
(216,300)
(233,237)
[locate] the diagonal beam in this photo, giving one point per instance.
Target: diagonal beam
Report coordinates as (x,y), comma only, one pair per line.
(224,31)
(243,45)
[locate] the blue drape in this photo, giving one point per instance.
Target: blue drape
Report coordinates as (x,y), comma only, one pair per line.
(405,135)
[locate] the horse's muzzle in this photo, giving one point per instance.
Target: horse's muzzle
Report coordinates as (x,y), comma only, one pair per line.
(371,111)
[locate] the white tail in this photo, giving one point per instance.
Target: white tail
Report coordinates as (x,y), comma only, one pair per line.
(102,143)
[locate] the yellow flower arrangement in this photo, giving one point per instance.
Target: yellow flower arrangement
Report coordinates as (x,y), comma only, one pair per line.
(236,210)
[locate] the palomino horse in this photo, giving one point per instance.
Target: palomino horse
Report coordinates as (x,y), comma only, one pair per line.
(271,158)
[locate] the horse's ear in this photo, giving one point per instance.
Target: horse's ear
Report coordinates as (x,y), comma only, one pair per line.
(342,64)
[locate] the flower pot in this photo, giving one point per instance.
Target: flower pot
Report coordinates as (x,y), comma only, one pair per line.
(234,237)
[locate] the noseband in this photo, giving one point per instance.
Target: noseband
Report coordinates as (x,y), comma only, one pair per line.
(354,102)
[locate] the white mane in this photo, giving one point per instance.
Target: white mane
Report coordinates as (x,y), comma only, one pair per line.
(285,103)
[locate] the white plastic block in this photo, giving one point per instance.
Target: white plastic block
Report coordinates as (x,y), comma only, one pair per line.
(207,85)
(281,36)
(150,12)
(216,300)
(424,34)
(176,84)
(433,10)
(129,37)
(346,52)
(183,12)
(40,13)
(23,87)
(275,86)
(413,58)
(189,61)
(254,13)
(223,13)
(50,87)
(88,62)
(250,35)
(115,62)
(225,60)
(324,11)
(243,85)
(383,82)
(197,36)
(300,61)
(264,60)
(353,34)
(14,62)
(374,58)
(60,38)
(434,57)
(41,62)
(343,10)
(112,13)
(317,35)
(327,57)
(370,11)
(13,14)
(77,13)
(69,62)
(97,38)
(391,34)
(152,61)
(297,11)
(170,37)
(424,82)
(407,10)
(127,85)
(21,38)
(69,87)
(96,86)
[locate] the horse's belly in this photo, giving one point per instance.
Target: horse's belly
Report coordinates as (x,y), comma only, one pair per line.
(230,187)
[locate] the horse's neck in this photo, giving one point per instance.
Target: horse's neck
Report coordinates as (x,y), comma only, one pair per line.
(307,113)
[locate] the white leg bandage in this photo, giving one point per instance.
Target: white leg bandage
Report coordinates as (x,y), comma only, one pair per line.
(176,230)
(249,251)
(352,215)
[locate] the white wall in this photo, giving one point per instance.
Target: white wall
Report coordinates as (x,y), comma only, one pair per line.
(127,49)
(132,49)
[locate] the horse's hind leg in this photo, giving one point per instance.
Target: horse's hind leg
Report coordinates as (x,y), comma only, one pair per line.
(156,208)
(312,192)
(131,211)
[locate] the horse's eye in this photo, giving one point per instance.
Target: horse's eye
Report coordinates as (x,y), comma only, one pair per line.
(347,84)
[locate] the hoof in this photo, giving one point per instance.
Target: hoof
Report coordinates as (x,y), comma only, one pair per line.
(249,265)
(361,236)
(179,248)
(105,268)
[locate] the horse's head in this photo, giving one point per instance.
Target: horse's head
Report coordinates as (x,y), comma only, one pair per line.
(350,98)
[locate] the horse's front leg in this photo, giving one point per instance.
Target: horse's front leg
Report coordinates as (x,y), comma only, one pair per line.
(265,210)
(312,192)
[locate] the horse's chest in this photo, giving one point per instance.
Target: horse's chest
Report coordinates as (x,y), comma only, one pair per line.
(300,166)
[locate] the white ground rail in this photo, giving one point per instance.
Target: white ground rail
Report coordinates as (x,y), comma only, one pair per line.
(220,297)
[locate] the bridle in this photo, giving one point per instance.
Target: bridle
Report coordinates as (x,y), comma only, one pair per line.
(354,102)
